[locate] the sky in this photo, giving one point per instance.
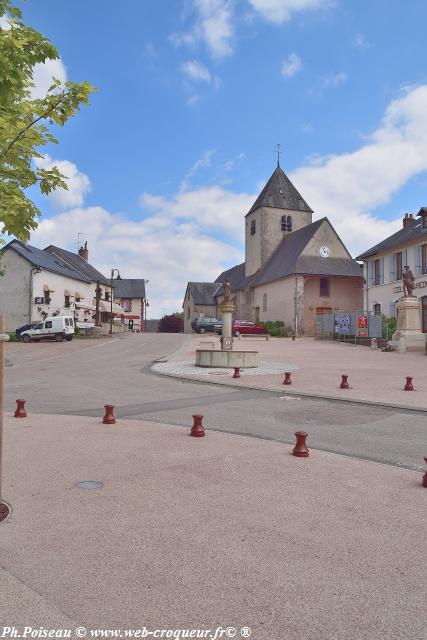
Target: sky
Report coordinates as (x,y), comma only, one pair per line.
(193,97)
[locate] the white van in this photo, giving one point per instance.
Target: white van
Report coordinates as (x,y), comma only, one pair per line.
(57,327)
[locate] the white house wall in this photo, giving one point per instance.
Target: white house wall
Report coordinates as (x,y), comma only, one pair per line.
(15,287)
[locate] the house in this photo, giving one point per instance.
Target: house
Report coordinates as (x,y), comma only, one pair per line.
(385,262)
(39,283)
(294,268)
(199,300)
(129,293)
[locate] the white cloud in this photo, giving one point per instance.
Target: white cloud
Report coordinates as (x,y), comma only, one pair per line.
(203,162)
(213,27)
(282,10)
(196,71)
(291,65)
(158,248)
(78,183)
(360,42)
(333,80)
(44,73)
(348,187)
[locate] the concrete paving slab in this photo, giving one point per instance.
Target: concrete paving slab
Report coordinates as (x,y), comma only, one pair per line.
(375,377)
(222,530)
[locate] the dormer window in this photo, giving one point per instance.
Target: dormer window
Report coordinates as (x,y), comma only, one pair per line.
(253,227)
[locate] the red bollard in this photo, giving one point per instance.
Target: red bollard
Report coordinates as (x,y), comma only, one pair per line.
(236,372)
(344,382)
(197,430)
(287,379)
(20,409)
(408,386)
(109,416)
(425,475)
(300,449)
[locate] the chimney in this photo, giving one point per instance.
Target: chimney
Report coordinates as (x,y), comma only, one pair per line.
(408,219)
(84,253)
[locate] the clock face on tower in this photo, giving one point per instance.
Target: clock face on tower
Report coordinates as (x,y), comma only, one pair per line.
(325,251)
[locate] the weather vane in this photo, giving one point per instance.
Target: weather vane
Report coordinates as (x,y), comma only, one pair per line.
(278,154)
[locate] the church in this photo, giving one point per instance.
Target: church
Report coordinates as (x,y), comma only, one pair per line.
(294,268)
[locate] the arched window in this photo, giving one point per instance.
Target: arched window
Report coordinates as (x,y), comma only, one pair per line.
(286,223)
(253,227)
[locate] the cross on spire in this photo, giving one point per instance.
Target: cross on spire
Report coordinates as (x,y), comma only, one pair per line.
(278,154)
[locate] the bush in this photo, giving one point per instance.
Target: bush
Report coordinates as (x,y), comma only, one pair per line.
(275,329)
(173,323)
(12,337)
(388,327)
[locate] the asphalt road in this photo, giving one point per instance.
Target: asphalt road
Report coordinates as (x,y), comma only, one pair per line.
(81,376)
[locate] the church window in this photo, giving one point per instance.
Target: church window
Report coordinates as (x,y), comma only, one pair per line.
(253,227)
(270,199)
(264,302)
(248,297)
(324,287)
(286,223)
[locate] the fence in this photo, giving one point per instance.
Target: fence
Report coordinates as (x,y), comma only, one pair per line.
(348,326)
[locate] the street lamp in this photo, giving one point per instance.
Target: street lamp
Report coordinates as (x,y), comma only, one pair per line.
(146,304)
(111,299)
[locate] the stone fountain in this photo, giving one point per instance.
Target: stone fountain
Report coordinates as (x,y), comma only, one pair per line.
(226,356)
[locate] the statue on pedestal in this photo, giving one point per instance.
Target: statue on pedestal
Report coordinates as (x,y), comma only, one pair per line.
(408,282)
(227,293)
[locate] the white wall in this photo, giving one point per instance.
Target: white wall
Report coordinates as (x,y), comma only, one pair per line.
(15,290)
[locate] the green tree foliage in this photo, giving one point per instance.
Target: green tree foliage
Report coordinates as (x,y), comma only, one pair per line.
(171,324)
(25,122)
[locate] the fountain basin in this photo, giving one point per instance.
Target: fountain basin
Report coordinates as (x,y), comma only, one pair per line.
(212,358)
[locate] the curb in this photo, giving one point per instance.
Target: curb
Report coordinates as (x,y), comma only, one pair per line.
(302,394)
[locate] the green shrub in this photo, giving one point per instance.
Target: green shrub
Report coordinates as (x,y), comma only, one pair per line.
(275,329)
(388,327)
(12,337)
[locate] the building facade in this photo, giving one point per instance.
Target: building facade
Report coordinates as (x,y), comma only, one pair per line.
(40,283)
(385,262)
(294,269)
(129,293)
(199,300)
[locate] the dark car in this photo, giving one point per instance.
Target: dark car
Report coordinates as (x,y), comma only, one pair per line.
(24,327)
(246,327)
(201,325)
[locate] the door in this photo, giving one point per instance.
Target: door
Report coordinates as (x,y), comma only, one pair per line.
(257,314)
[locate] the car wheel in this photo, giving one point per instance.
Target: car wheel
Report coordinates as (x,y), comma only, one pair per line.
(69,338)
(26,339)
(58,337)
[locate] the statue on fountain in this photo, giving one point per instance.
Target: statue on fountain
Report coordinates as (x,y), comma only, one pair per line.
(227,293)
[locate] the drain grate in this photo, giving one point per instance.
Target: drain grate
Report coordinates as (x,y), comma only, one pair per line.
(89,484)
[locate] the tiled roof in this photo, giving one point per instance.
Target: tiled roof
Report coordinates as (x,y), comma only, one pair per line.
(279,192)
(45,260)
(204,292)
(78,263)
(287,259)
(129,288)
(412,231)
(235,276)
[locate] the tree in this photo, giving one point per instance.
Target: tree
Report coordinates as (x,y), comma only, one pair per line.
(171,324)
(25,122)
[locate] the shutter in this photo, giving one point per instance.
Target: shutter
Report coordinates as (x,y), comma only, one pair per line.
(418,259)
(382,270)
(370,274)
(404,258)
(392,309)
(391,267)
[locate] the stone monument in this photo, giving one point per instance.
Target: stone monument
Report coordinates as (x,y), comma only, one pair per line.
(409,319)
(227,356)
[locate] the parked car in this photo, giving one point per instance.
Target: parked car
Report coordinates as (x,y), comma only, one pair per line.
(201,325)
(241,327)
(24,327)
(55,328)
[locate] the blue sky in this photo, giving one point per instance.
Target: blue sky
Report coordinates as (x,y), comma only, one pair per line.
(192,98)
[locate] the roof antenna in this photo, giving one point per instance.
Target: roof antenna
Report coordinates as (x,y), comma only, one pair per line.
(278,154)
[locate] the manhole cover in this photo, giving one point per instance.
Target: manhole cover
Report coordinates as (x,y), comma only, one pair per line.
(89,484)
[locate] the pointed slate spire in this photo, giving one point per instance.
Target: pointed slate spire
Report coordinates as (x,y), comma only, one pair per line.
(279,192)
